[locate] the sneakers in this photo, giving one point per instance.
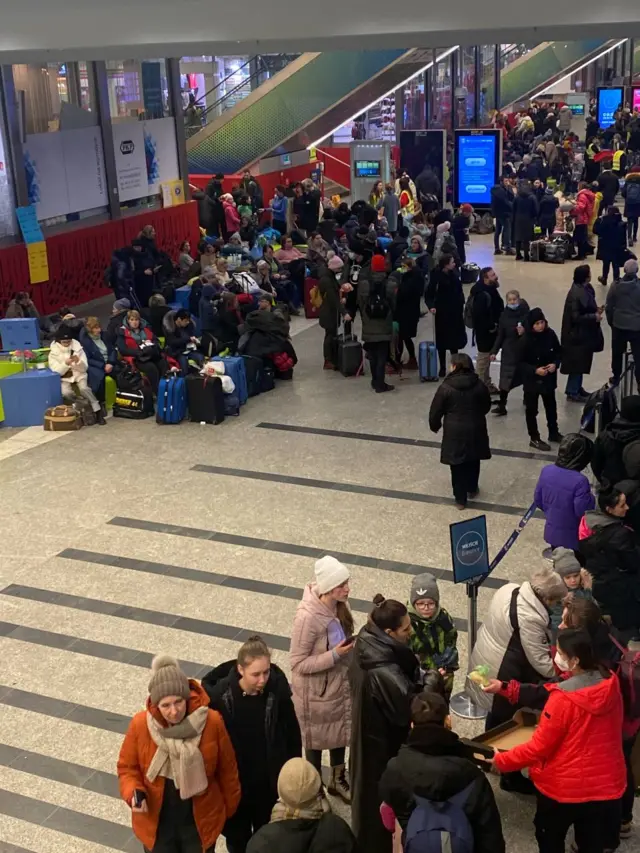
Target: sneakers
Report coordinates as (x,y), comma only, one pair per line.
(602,280)
(626,829)
(329,365)
(500,411)
(556,437)
(539,444)
(498,252)
(338,784)
(412,364)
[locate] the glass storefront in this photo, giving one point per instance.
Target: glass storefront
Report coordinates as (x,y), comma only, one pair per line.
(44,90)
(414,105)
(137,89)
(465,92)
(442,94)
(487,89)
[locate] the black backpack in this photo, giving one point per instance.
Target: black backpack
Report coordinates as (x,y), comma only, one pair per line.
(378,307)
(129,379)
(602,403)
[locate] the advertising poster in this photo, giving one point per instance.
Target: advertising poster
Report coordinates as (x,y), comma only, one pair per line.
(131,163)
(160,152)
(477,168)
(609,101)
(636,99)
(84,168)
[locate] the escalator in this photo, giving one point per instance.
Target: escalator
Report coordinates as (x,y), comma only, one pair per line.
(313,94)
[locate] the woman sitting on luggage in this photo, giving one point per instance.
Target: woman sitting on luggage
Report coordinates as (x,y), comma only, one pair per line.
(181,342)
(101,355)
(137,344)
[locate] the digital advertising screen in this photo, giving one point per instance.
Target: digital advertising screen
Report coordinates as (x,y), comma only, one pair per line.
(367,168)
(609,101)
(476,166)
(635,101)
(576,109)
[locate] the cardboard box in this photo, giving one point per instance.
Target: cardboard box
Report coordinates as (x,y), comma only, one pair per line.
(512,733)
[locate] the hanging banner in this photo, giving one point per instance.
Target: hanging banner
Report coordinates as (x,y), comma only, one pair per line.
(38,262)
(84,168)
(161,152)
(46,175)
(131,165)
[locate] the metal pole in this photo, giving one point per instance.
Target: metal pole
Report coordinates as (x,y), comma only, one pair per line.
(175,104)
(462,703)
(99,70)
(15,124)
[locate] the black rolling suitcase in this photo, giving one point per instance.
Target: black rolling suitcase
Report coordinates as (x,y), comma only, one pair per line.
(254,368)
(349,354)
(205,399)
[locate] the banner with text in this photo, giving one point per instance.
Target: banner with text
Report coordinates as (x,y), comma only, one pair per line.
(146,156)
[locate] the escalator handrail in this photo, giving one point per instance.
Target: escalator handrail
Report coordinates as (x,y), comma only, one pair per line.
(203,98)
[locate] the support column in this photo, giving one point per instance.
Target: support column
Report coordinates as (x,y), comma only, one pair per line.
(15,125)
(399,97)
(496,77)
(73,83)
(104,121)
(431,100)
(478,78)
(175,107)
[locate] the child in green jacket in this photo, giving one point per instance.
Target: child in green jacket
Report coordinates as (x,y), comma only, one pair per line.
(434,635)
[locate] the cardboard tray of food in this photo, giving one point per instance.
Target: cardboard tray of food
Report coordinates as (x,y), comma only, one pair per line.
(514,732)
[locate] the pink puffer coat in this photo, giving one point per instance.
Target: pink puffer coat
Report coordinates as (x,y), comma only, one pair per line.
(321,693)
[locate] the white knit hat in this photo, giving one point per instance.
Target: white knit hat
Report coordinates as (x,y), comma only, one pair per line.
(330,573)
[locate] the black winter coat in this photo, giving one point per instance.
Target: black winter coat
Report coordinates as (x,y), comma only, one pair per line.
(510,343)
(608,184)
(538,350)
(631,208)
(281,729)
(436,766)
(501,201)
(488,306)
(581,335)
(445,294)
(525,215)
(408,295)
(384,676)
(460,406)
(612,238)
(612,556)
(331,308)
(547,211)
(330,834)
(608,447)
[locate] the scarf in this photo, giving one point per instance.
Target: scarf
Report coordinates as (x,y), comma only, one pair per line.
(178,756)
(307,811)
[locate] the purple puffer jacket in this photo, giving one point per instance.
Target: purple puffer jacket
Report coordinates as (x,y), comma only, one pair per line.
(564,496)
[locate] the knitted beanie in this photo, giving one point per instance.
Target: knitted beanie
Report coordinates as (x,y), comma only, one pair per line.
(378,263)
(330,573)
(298,783)
(424,586)
(336,263)
(565,562)
(167,679)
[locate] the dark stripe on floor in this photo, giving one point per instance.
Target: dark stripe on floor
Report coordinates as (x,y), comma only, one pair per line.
(289,548)
(63,710)
(58,771)
(94,829)
(104,651)
(358,604)
(393,439)
(140,614)
(7,847)
(354,488)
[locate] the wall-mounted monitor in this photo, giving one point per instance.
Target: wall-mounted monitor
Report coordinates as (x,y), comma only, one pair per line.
(477,166)
(367,168)
(609,100)
(577,109)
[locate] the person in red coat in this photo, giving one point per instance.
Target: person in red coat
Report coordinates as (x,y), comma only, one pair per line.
(575,756)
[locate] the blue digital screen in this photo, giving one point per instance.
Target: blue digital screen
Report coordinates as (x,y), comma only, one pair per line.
(367,168)
(609,101)
(476,168)
(576,109)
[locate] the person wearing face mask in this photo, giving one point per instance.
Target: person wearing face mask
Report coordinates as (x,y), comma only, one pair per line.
(176,768)
(509,342)
(321,645)
(384,677)
(575,756)
(435,637)
(253,697)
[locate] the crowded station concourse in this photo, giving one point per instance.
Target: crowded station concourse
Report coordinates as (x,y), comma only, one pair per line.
(245,635)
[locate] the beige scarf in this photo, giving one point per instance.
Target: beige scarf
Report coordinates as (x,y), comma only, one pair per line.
(307,811)
(178,755)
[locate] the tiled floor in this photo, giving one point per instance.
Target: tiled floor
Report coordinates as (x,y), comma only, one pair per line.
(122,542)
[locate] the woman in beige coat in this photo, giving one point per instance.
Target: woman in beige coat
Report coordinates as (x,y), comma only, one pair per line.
(321,643)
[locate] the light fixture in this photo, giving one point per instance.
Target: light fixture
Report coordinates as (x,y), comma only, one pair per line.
(382,97)
(579,68)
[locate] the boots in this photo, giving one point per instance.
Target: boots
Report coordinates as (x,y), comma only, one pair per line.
(328,365)
(338,784)
(412,364)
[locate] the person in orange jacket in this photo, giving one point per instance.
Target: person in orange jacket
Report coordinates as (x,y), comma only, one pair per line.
(177,768)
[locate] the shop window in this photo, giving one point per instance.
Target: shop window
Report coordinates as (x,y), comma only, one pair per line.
(137,89)
(414,107)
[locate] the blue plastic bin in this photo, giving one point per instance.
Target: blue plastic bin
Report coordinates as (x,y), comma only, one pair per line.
(182,296)
(26,397)
(20,334)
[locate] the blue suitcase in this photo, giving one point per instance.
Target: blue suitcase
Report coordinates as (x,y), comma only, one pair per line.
(428,361)
(231,404)
(234,367)
(172,400)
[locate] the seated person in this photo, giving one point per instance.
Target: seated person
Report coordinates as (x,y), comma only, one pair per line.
(227,323)
(185,261)
(288,252)
(181,342)
(247,231)
(155,313)
(235,247)
(67,358)
(221,273)
(101,355)
(118,313)
(281,289)
(208,252)
(138,346)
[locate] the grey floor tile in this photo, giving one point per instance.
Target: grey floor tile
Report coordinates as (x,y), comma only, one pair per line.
(25,808)
(140,614)
(7,847)
(103,650)
(90,828)
(273,640)
(6,628)
(99,719)
(8,754)
(37,703)
(42,638)
(31,592)
(103,783)
(53,768)
(212,629)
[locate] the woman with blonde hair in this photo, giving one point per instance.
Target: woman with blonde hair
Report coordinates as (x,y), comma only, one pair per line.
(321,643)
(137,344)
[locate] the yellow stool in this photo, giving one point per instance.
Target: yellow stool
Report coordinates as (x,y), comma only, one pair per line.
(109,392)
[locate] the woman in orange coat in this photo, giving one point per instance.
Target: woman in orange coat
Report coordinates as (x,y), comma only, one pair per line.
(177,768)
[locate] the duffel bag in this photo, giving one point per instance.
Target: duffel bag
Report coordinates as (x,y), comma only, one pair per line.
(62,419)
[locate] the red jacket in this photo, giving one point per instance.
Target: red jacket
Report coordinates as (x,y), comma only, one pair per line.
(575,754)
(583,211)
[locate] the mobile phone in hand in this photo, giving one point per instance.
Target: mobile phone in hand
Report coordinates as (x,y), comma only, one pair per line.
(139,797)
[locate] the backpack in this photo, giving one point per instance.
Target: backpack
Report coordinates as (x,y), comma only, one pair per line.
(315,297)
(629,677)
(377,304)
(440,827)
(633,192)
(468,310)
(603,400)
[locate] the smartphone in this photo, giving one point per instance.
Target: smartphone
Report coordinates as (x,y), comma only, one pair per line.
(139,797)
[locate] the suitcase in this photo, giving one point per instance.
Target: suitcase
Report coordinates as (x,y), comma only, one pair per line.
(470,273)
(536,250)
(234,367)
(85,412)
(554,253)
(253,368)
(205,399)
(310,311)
(62,419)
(171,406)
(428,361)
(349,357)
(135,405)
(231,404)
(268,378)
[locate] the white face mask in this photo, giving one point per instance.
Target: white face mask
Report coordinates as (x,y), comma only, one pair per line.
(561,663)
